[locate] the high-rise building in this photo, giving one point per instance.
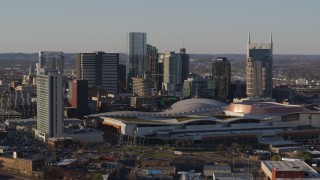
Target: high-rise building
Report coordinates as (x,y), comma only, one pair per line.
(79,99)
(50,96)
(142,86)
(153,65)
(221,77)
(122,77)
(100,69)
(172,71)
(136,56)
(50,60)
(198,87)
(259,68)
(185,63)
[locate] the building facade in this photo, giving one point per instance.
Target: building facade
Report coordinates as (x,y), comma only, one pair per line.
(259,68)
(79,99)
(198,87)
(142,86)
(49,60)
(185,63)
(50,96)
(49,104)
(221,76)
(153,65)
(100,69)
(136,56)
(172,71)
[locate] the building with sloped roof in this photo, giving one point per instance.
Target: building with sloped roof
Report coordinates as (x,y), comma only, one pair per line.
(202,122)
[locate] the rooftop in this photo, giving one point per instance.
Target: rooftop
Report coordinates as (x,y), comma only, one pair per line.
(185,107)
(65,162)
(290,166)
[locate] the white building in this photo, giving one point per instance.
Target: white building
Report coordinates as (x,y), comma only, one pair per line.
(50,95)
(172,70)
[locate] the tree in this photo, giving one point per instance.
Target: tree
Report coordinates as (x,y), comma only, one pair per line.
(276,157)
(97,176)
(302,155)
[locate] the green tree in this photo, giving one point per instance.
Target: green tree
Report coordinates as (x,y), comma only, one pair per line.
(276,157)
(302,155)
(97,176)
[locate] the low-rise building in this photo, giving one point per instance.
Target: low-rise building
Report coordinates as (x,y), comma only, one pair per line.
(288,169)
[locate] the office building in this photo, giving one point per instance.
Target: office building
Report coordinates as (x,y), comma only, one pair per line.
(136,56)
(185,63)
(122,77)
(237,90)
(259,68)
(198,87)
(79,99)
(153,65)
(50,95)
(172,71)
(50,60)
(221,76)
(100,69)
(142,86)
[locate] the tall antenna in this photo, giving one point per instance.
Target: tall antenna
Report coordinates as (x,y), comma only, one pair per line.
(183,43)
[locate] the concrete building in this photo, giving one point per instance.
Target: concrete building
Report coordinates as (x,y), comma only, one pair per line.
(221,76)
(142,86)
(153,65)
(100,69)
(198,87)
(79,99)
(136,56)
(185,63)
(49,96)
(19,165)
(172,71)
(122,77)
(288,170)
(259,68)
(49,60)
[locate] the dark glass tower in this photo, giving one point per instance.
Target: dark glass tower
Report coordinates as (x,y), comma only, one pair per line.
(221,77)
(136,56)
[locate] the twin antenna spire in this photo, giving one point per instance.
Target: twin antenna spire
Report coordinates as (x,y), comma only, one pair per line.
(249,41)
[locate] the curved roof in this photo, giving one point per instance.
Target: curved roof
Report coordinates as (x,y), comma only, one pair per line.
(198,101)
(184,107)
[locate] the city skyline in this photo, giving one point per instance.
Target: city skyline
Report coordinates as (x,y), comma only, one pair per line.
(212,27)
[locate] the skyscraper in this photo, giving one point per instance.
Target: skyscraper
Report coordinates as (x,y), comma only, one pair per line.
(49,60)
(79,97)
(50,95)
(259,68)
(136,56)
(153,65)
(172,71)
(100,69)
(221,77)
(185,63)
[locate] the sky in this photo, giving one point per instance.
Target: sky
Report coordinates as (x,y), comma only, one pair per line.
(205,26)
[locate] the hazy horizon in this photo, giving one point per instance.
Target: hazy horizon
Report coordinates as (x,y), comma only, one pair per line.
(205,27)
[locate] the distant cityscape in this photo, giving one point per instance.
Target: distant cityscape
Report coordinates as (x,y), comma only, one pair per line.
(146,114)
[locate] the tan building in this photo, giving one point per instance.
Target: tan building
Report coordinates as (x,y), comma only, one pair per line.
(142,86)
(21,165)
(288,170)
